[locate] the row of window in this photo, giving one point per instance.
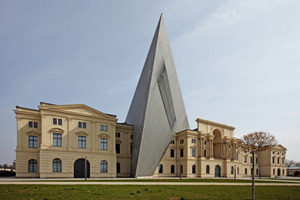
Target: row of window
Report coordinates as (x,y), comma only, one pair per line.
(172,152)
(32,124)
(57,166)
(161,169)
(278,160)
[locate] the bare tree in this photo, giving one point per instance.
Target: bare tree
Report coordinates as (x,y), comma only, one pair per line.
(255,142)
(290,163)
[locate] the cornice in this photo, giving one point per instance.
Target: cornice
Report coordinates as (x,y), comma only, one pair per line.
(199,120)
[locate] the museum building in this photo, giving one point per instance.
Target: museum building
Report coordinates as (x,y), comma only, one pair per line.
(54,141)
(66,141)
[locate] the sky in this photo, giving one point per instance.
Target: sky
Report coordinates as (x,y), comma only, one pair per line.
(238,62)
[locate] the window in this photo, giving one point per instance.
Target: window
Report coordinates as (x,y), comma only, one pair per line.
(32,124)
(278,161)
(32,165)
(273,171)
(82,142)
(103,144)
(131,136)
(181,141)
(56,165)
(205,153)
(283,172)
(256,171)
(57,121)
(172,169)
(117,148)
(273,160)
(172,142)
(194,169)
(181,169)
(33,141)
(238,170)
(237,156)
(103,128)
(57,139)
(181,152)
(246,171)
(118,135)
(193,152)
(160,169)
(207,169)
(282,160)
(118,168)
(103,166)
(172,153)
(130,149)
(256,160)
(194,141)
(245,159)
(232,169)
(81,124)
(204,142)
(250,159)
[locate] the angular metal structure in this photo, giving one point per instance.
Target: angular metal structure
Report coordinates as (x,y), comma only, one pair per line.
(157,110)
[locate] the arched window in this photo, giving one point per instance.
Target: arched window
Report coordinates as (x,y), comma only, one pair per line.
(194,169)
(118,168)
(160,169)
(32,165)
(207,169)
(103,166)
(56,165)
(172,169)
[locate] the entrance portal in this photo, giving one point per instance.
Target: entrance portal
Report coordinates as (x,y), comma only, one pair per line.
(218,171)
(278,172)
(79,168)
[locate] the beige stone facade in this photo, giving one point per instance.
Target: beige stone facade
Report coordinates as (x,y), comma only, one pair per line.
(211,150)
(57,140)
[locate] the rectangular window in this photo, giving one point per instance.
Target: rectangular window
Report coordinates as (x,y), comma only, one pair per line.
(118,148)
(205,153)
(118,135)
(57,139)
(278,160)
(33,141)
(84,124)
(57,121)
(103,144)
(256,160)
(194,141)
(181,152)
(181,141)
(172,153)
(273,160)
(130,149)
(131,136)
(30,124)
(102,128)
(237,156)
(245,159)
(82,142)
(193,152)
(282,160)
(79,124)
(35,124)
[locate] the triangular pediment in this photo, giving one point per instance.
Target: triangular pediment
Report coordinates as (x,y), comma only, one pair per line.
(78,109)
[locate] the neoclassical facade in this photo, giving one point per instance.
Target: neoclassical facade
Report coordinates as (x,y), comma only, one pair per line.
(211,150)
(58,141)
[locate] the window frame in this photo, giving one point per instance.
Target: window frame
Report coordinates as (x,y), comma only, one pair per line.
(56,165)
(82,142)
(103,166)
(32,141)
(103,143)
(32,165)
(57,139)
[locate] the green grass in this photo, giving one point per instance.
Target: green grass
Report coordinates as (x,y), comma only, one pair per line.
(145,192)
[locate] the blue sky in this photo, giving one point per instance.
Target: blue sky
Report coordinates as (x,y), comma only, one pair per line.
(237,61)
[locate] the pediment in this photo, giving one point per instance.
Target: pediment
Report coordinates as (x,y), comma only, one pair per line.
(56,130)
(82,133)
(103,135)
(78,109)
(32,133)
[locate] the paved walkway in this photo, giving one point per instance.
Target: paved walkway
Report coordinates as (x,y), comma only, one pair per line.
(15,181)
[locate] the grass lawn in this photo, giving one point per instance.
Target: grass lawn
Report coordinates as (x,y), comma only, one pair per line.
(145,192)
